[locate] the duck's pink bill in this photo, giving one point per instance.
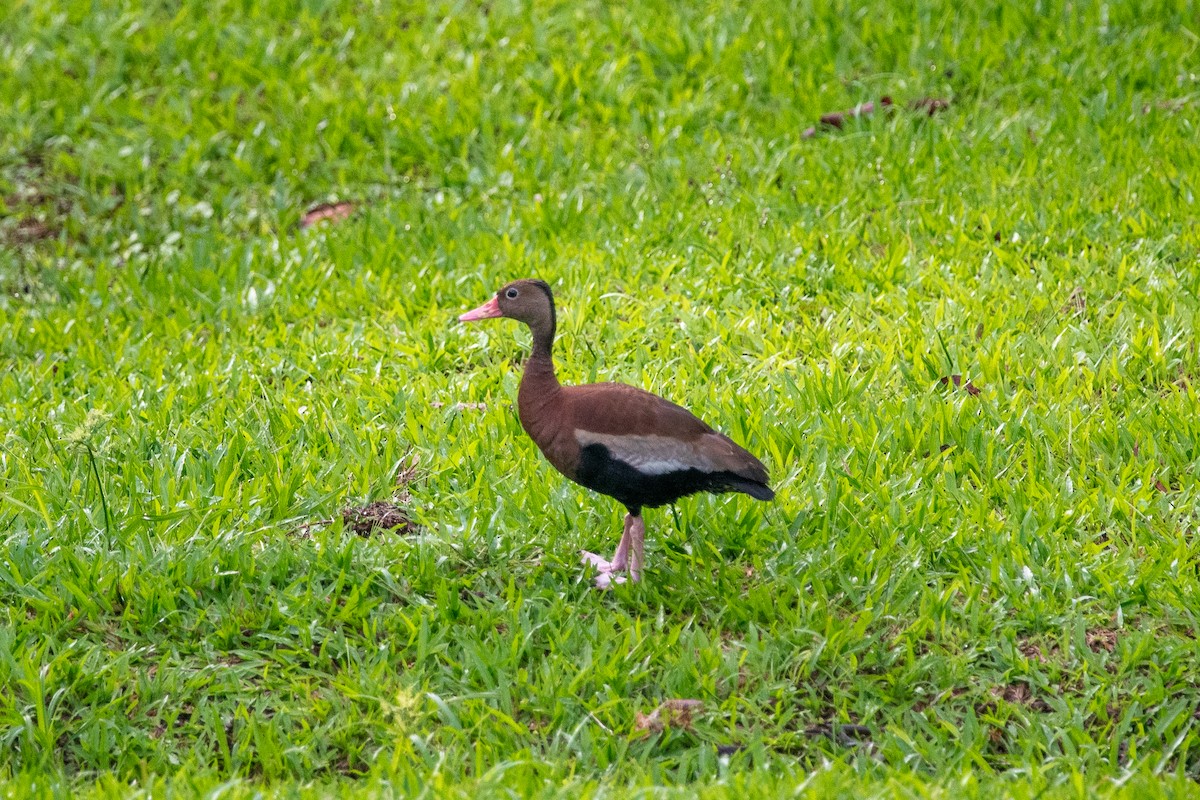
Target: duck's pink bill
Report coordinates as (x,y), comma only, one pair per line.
(488,310)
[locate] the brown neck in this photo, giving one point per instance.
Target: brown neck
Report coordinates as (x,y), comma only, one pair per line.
(543,340)
(539,390)
(539,369)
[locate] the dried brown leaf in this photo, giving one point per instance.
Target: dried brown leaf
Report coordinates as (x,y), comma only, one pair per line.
(407,472)
(958,382)
(1102,639)
(930,105)
(674,713)
(1020,694)
(333,212)
(1170,106)
(836,119)
(460,406)
(650,723)
(1035,652)
(845,735)
(1013,692)
(1076,302)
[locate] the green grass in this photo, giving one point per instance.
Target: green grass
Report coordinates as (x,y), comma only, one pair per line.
(1002,588)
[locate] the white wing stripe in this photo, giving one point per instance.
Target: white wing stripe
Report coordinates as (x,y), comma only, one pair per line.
(649,454)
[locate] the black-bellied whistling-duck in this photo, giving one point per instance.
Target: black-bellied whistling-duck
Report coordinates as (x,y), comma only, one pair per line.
(616,439)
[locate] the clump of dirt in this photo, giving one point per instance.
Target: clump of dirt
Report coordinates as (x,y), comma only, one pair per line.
(28,213)
(29,230)
(386,515)
(365,520)
(382,515)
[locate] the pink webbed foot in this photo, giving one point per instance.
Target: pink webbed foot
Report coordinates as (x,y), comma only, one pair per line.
(626,563)
(609,572)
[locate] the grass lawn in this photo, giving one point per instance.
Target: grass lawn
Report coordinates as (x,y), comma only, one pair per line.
(967,587)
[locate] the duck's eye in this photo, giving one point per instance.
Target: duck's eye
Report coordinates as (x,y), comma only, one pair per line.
(511,293)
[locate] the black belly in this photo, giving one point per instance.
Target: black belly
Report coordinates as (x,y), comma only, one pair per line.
(600,472)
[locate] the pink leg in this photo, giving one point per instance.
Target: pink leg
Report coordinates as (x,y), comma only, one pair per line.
(627,559)
(637,535)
